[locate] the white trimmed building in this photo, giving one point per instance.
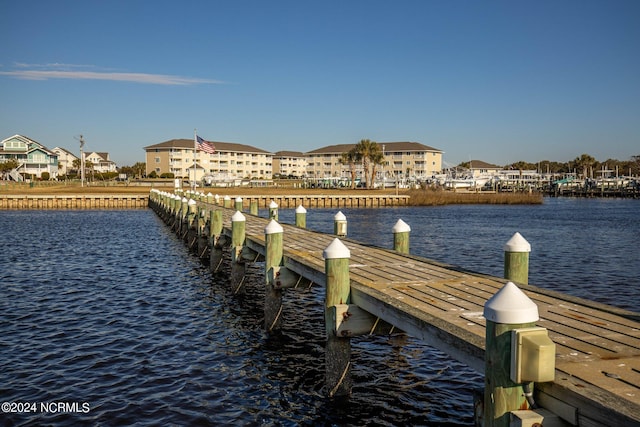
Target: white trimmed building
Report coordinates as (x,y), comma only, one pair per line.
(33,158)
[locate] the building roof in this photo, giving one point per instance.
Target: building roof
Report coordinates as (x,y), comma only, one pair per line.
(219,146)
(479,164)
(288,154)
(388,147)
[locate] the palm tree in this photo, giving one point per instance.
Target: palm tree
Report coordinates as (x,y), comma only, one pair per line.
(351,158)
(369,152)
(584,162)
(377,159)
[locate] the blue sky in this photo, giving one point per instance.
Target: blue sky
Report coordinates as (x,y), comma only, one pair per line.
(500,81)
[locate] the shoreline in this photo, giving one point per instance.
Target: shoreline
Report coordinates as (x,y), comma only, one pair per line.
(416,197)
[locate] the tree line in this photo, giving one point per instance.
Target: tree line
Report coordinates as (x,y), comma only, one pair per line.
(585,166)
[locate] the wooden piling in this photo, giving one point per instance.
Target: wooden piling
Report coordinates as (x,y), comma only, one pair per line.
(516,259)
(338,349)
(253,207)
(273,210)
(401,232)
(238,204)
(238,224)
(301,217)
(507,310)
(273,234)
(340,225)
(215,244)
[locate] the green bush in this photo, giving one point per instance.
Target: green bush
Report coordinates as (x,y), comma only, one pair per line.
(167,175)
(45,176)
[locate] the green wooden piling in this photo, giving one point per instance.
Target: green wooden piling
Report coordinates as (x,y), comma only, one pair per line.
(301,217)
(273,210)
(516,259)
(401,231)
(215,231)
(273,234)
(340,225)
(508,309)
(227,202)
(238,204)
(338,349)
(238,227)
(253,207)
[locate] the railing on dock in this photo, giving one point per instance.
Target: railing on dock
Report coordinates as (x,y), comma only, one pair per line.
(84,201)
(503,327)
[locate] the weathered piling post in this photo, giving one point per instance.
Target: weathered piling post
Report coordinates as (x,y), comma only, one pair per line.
(216,199)
(516,354)
(301,217)
(238,227)
(238,204)
(215,243)
(182,217)
(209,198)
(401,232)
(273,258)
(253,207)
(203,240)
(226,202)
(516,259)
(190,235)
(273,210)
(338,349)
(340,224)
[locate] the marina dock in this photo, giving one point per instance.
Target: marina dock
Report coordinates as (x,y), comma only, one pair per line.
(597,347)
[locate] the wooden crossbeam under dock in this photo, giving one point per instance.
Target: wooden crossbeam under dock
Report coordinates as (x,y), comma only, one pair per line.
(597,380)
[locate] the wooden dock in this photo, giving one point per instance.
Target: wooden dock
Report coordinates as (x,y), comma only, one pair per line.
(597,379)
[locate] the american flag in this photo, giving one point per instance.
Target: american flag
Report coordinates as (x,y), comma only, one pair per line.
(205,146)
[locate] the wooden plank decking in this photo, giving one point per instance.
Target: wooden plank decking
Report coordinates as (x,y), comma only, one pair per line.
(597,346)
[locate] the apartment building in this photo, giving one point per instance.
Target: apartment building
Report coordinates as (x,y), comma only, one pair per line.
(289,163)
(401,160)
(179,157)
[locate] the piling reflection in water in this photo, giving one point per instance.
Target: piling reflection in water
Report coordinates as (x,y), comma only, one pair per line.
(111,310)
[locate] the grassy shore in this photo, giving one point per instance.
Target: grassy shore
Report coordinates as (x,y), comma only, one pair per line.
(418,197)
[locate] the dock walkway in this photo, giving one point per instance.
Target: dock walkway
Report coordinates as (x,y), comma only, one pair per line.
(597,380)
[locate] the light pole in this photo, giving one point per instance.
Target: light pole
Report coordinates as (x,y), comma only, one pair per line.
(81,161)
(384,185)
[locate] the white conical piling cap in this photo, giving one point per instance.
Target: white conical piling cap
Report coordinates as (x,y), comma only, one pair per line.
(335,250)
(510,306)
(176,197)
(238,217)
(517,243)
(339,217)
(273,227)
(184,200)
(238,199)
(209,194)
(301,209)
(227,197)
(192,202)
(401,227)
(273,205)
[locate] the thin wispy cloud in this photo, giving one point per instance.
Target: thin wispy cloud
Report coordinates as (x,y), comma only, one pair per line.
(68,71)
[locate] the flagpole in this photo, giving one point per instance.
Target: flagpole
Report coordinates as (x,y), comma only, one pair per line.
(195,150)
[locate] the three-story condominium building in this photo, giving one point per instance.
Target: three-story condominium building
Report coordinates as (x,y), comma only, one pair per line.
(180,157)
(401,160)
(289,164)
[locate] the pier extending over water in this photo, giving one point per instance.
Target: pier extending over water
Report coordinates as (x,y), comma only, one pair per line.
(597,347)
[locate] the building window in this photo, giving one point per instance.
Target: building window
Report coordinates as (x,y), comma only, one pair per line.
(157,159)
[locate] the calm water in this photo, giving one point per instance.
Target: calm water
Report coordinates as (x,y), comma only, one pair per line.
(105,311)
